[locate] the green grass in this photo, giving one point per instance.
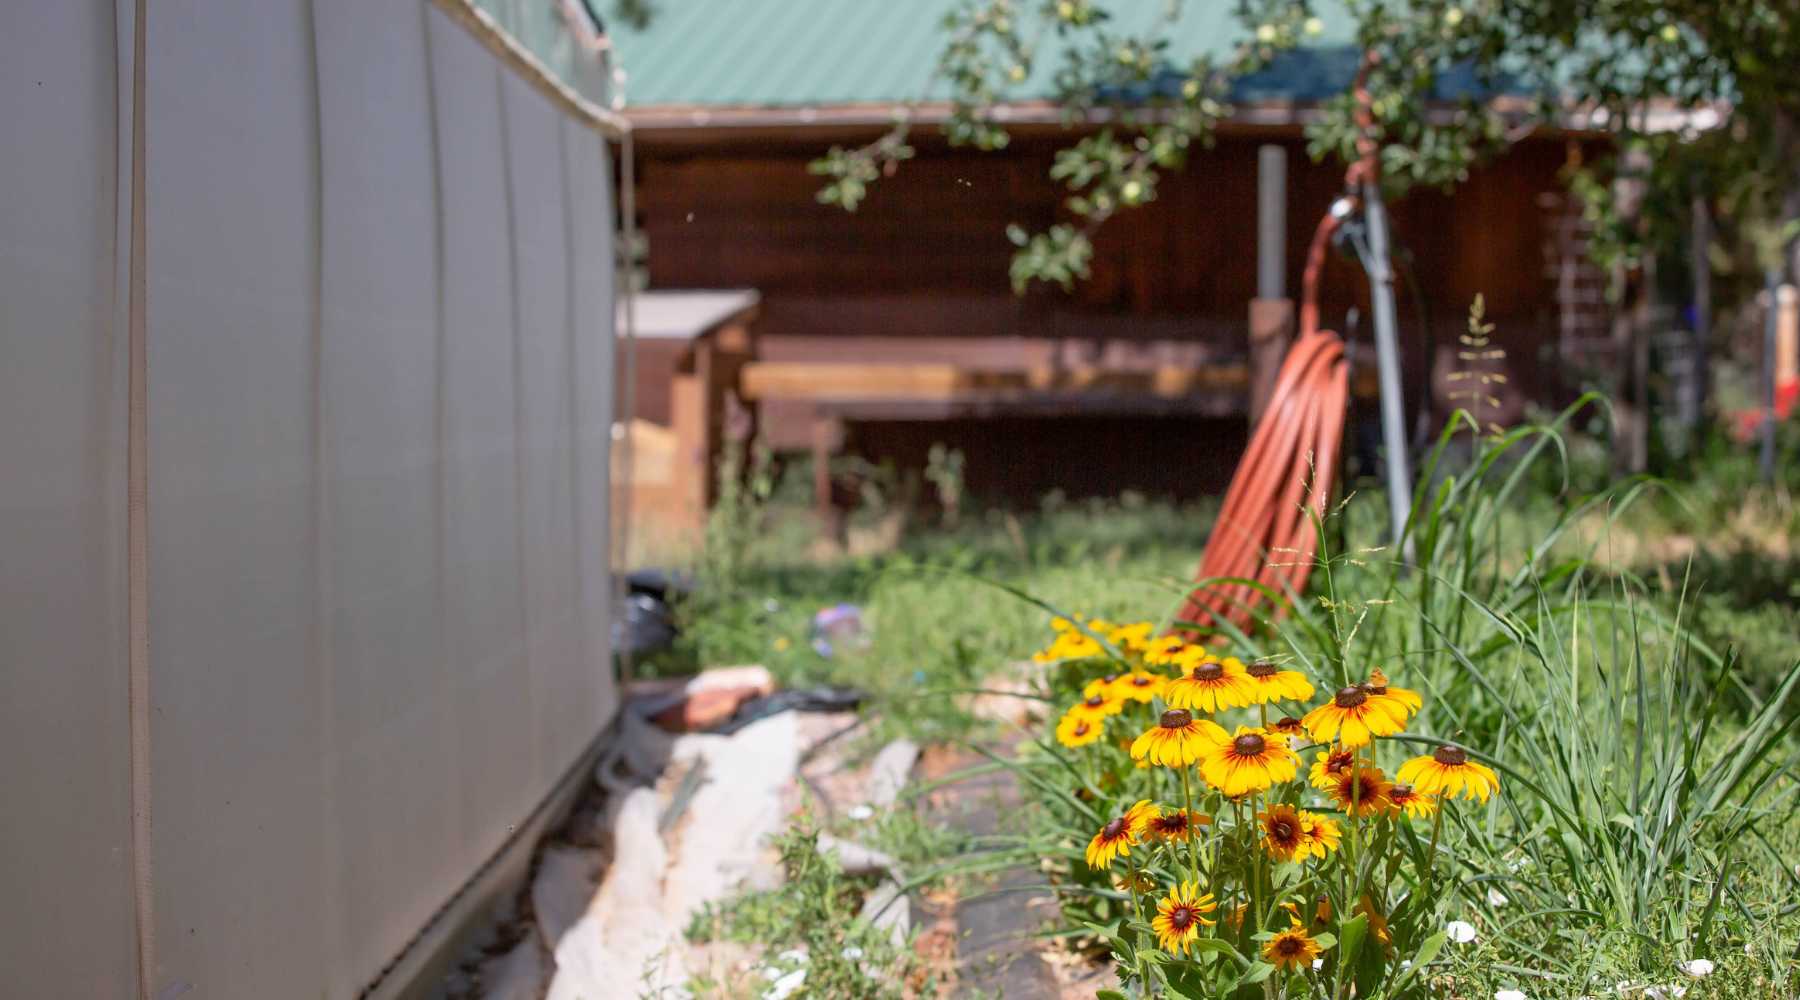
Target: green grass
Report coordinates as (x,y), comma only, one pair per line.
(1625,651)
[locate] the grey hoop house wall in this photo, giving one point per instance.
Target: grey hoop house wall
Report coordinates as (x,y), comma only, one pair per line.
(307,313)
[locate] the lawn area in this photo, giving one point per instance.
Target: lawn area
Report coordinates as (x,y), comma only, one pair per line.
(1623,655)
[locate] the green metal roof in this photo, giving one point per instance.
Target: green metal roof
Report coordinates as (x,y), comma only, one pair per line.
(788,53)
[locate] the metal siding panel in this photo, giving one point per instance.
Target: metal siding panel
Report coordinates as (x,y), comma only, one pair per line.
(65,848)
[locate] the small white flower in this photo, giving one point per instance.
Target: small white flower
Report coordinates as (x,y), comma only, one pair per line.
(1747,950)
(1696,967)
(860,812)
(1496,898)
(1318,963)
(1667,992)
(851,954)
(1453,16)
(1265,33)
(1313,26)
(785,987)
(792,955)
(1510,995)
(1460,931)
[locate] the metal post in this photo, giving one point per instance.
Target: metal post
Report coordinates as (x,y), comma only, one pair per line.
(1271,222)
(1772,284)
(1387,362)
(1271,312)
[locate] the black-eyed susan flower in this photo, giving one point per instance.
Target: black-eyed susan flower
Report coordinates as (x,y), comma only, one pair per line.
(1361,791)
(1209,685)
(1141,814)
(1138,882)
(1269,683)
(1291,949)
(1408,702)
(1405,799)
(1181,914)
(1164,650)
(1319,836)
(1378,923)
(1099,703)
(1070,644)
(1449,772)
(1328,764)
(1282,833)
(1113,841)
(1250,761)
(1078,730)
(1133,637)
(1177,740)
(1287,726)
(1352,718)
(1099,685)
(1175,824)
(1139,685)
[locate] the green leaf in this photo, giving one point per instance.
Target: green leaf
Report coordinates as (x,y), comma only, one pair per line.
(1110,995)
(1258,972)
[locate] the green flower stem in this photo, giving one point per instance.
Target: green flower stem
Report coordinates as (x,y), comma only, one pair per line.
(1187,803)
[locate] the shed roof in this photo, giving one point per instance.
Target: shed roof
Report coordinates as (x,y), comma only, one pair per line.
(808,53)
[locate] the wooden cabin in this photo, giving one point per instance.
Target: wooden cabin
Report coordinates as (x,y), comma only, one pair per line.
(907,302)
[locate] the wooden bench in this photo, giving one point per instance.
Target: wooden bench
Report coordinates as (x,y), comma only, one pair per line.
(842,392)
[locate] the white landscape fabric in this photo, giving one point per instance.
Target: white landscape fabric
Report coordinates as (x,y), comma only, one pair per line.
(379,391)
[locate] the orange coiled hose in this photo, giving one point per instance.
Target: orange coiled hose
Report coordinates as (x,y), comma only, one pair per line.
(1265,530)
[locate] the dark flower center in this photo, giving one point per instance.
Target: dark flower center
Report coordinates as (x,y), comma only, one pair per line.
(1248,745)
(1095,700)
(1350,697)
(1338,761)
(1181,918)
(1287,724)
(1263,668)
(1172,823)
(1281,830)
(1373,688)
(1289,946)
(1081,729)
(1109,678)
(1400,793)
(1176,718)
(1450,756)
(1209,671)
(1113,829)
(1143,680)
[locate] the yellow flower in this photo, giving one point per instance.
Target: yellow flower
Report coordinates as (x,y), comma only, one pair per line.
(1138,882)
(1378,925)
(1178,739)
(1269,683)
(1069,644)
(1407,702)
(1180,914)
(1175,824)
(1099,703)
(1361,791)
(1328,764)
(1140,815)
(1133,637)
(1287,726)
(1449,772)
(1163,650)
(1283,835)
(1404,798)
(1210,685)
(1352,718)
(1113,841)
(1319,835)
(1077,730)
(1250,761)
(1099,685)
(1291,949)
(1139,685)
